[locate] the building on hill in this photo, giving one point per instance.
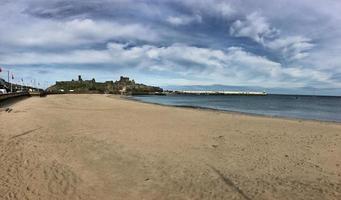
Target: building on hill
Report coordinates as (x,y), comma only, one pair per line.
(123,86)
(124,79)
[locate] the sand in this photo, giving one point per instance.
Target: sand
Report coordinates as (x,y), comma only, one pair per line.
(105,147)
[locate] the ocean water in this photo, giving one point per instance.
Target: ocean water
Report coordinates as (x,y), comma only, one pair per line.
(322,108)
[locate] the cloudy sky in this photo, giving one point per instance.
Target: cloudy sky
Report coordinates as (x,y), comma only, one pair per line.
(282,43)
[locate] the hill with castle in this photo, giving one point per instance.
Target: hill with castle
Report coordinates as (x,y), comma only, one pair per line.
(123,86)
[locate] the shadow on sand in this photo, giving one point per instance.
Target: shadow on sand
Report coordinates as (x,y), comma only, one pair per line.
(11,101)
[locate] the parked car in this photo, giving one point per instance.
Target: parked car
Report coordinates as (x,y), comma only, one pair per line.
(3,91)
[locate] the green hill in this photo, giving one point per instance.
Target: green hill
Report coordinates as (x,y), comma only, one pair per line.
(123,86)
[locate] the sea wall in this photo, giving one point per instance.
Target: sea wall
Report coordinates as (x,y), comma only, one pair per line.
(13,95)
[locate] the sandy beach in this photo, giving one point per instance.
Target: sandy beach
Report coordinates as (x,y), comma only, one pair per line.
(105,147)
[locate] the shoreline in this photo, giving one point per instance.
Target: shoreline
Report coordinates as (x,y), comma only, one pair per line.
(9,102)
(131,98)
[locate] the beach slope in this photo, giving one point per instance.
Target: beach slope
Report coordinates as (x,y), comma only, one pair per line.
(105,147)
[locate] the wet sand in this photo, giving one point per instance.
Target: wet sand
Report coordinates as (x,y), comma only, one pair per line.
(100,147)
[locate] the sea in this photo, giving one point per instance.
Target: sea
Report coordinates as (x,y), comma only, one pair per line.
(322,108)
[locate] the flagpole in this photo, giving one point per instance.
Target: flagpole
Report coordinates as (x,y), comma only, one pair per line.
(10,81)
(11,88)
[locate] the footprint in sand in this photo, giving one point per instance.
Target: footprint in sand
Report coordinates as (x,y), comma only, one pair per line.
(61,180)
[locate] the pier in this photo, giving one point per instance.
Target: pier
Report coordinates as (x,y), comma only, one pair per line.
(221,93)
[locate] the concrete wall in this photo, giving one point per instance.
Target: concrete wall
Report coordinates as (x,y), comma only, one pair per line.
(12,95)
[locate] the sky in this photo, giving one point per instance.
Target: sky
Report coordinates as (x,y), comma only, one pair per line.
(264,43)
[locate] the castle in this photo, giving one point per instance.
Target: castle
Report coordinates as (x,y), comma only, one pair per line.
(123,86)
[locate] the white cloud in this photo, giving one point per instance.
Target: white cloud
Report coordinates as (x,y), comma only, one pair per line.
(258,29)
(221,8)
(217,8)
(254,26)
(308,74)
(234,66)
(75,32)
(184,20)
(72,57)
(292,48)
(225,9)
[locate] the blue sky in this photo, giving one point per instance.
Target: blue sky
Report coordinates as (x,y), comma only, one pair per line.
(271,44)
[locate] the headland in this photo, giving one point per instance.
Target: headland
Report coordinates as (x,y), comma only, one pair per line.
(123,86)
